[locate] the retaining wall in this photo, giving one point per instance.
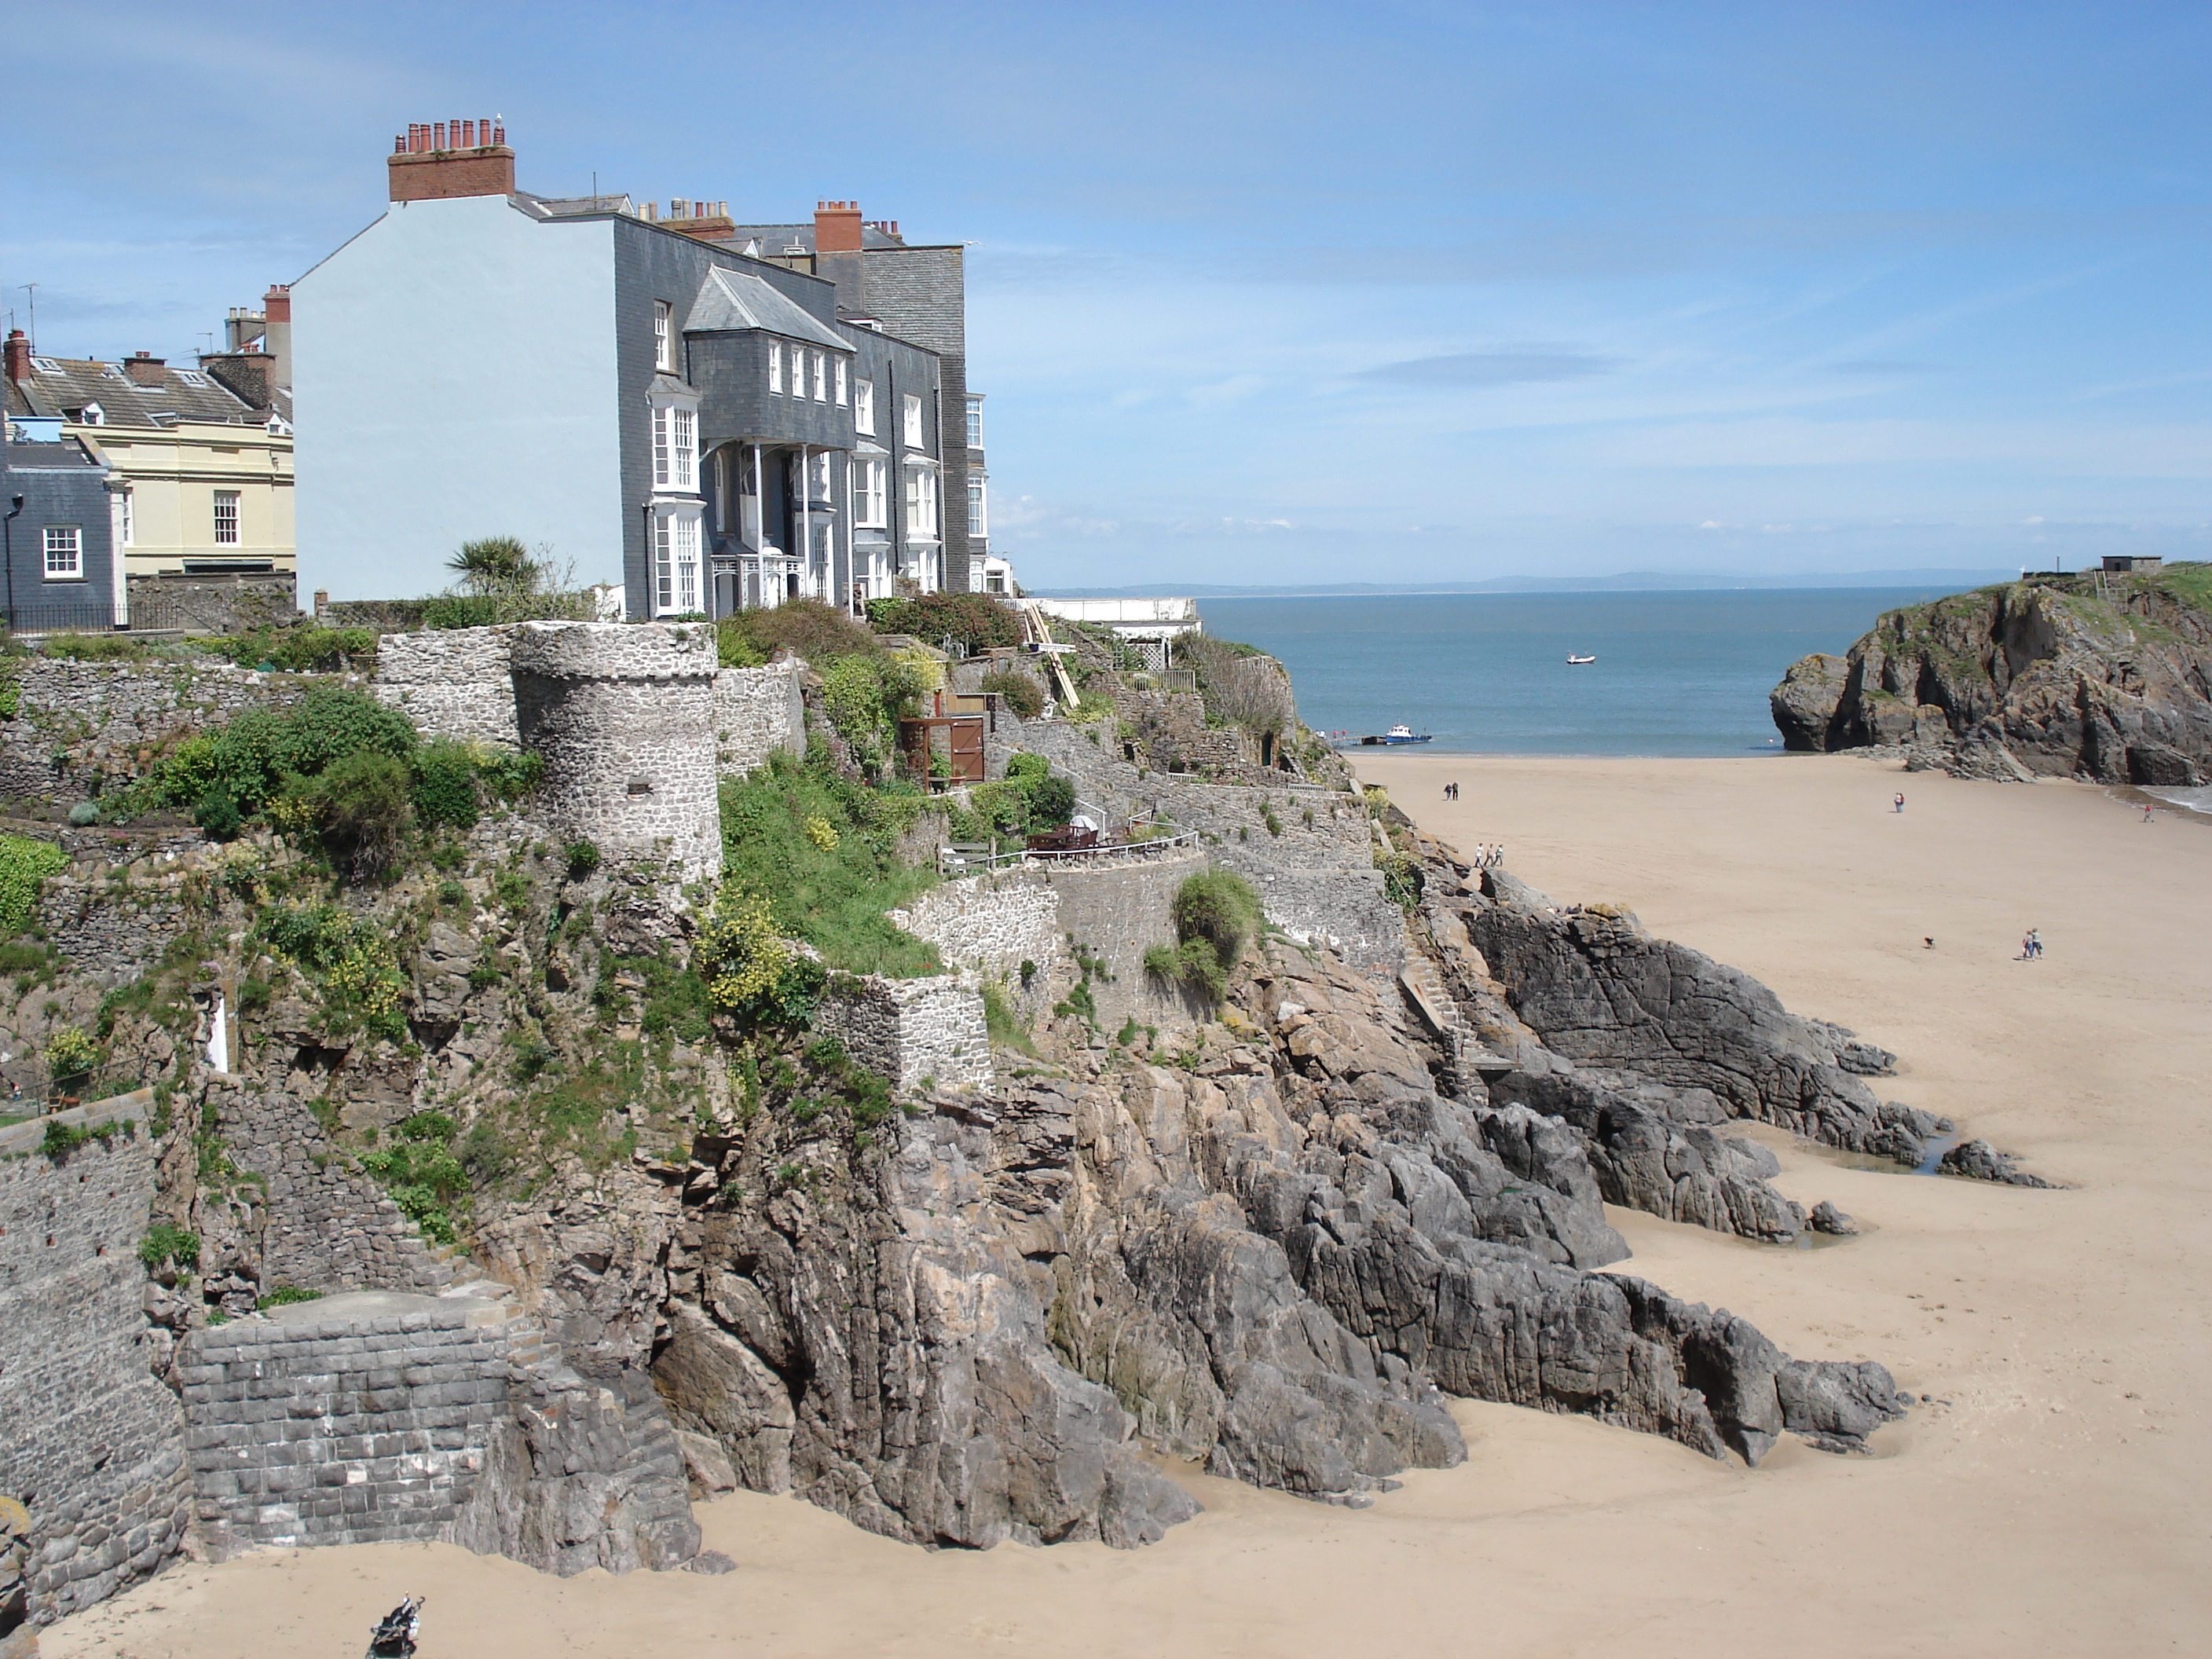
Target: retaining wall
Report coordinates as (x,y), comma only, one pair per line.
(910,1029)
(90,1442)
(452,681)
(340,1431)
(990,925)
(757,712)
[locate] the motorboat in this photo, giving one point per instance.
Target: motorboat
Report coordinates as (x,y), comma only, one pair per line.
(1398,734)
(1573,661)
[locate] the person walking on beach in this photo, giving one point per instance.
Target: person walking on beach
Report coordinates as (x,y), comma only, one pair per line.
(2146,812)
(2035,941)
(1900,805)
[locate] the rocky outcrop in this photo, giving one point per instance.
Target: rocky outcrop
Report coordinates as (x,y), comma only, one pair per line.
(2102,675)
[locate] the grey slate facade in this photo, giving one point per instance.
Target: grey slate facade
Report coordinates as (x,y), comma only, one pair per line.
(59,571)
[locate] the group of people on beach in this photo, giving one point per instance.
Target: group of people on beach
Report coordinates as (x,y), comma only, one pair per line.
(2032,947)
(1451,792)
(1488,856)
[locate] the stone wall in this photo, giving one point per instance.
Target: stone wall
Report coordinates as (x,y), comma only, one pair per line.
(990,925)
(1115,909)
(910,1031)
(79,725)
(324,1226)
(340,1431)
(758,711)
(89,1441)
(452,681)
(624,717)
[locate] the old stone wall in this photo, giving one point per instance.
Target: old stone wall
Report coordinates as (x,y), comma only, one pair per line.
(1112,910)
(79,725)
(90,1442)
(341,1430)
(322,1225)
(452,681)
(624,716)
(910,1031)
(1171,725)
(757,712)
(990,925)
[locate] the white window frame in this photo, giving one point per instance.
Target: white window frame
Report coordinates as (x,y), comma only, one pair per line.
(979,506)
(910,427)
(871,501)
(920,503)
(863,407)
(126,520)
(676,584)
(675,445)
(838,375)
(64,549)
(226,498)
(664,337)
(776,366)
(974,420)
(821,377)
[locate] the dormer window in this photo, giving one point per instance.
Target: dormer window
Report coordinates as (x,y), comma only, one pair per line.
(92,415)
(664,337)
(190,378)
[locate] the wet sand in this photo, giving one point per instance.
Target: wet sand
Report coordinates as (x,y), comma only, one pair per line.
(2051,1499)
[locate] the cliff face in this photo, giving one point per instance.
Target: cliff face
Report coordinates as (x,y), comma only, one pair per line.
(2098,676)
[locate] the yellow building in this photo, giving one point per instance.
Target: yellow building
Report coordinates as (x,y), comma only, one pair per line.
(199,459)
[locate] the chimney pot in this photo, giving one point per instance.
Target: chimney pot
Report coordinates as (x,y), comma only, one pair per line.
(441,159)
(145,369)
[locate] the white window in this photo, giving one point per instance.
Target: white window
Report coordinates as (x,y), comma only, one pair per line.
(191,379)
(912,430)
(226,518)
(921,502)
(822,476)
(839,375)
(975,422)
(978,515)
(774,367)
(94,415)
(664,336)
(821,377)
(64,553)
(126,523)
(675,562)
(864,406)
(871,503)
(675,447)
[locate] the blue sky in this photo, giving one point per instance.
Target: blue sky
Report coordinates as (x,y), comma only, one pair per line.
(1305,293)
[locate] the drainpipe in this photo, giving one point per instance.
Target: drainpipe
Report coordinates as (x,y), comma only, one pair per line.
(8,551)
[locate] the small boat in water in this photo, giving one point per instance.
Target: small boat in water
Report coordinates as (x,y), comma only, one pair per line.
(1573,661)
(1398,734)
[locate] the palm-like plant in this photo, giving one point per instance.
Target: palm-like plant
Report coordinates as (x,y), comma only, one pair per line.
(493,565)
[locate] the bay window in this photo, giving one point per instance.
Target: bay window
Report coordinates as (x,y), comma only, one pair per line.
(871,502)
(675,447)
(921,502)
(675,587)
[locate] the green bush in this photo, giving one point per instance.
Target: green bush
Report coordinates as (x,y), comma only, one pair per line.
(71,1055)
(460,611)
(974,621)
(583,858)
(1028,770)
(1217,916)
(311,649)
(164,1243)
(352,962)
(363,806)
(24,864)
(1052,803)
(284,1296)
(1023,695)
(217,814)
(445,784)
(819,633)
(863,696)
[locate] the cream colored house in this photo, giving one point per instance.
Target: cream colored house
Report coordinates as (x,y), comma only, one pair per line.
(199,459)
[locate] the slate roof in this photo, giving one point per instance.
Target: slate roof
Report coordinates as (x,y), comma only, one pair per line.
(67,456)
(733,300)
(70,383)
(776,239)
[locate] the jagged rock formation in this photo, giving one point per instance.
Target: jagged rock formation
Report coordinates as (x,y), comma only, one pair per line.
(2101,676)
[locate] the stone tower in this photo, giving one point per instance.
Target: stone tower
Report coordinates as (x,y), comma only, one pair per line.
(624,716)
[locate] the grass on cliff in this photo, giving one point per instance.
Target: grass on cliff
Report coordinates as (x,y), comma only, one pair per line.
(818,848)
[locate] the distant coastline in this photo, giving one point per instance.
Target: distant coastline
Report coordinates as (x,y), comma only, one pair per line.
(1628,581)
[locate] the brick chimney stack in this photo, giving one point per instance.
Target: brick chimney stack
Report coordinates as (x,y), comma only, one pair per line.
(836,227)
(437,160)
(145,369)
(276,333)
(19,356)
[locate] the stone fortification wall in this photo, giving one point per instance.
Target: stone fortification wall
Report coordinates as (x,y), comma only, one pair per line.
(79,725)
(624,716)
(1113,910)
(322,1225)
(990,925)
(910,1031)
(1171,725)
(459,683)
(758,711)
(340,1431)
(90,1442)
(452,681)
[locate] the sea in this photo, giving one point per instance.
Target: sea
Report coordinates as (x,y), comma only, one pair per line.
(1677,673)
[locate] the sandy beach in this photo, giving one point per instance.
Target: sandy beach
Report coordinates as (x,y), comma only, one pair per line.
(2050,1498)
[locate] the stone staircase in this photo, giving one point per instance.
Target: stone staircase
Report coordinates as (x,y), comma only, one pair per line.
(1467,1064)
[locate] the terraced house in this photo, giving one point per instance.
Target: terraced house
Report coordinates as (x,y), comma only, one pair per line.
(198,461)
(732,416)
